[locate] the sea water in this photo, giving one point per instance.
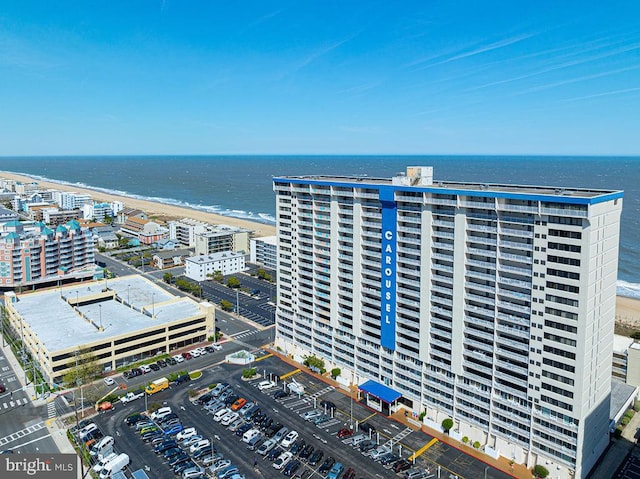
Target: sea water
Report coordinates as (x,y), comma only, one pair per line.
(241,186)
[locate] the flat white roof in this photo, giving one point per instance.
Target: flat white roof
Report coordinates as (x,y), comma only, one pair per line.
(52,314)
(621,343)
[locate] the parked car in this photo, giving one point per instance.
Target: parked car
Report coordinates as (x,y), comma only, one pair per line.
(186,356)
(316,457)
(154,367)
(345,432)
(145,369)
(108,381)
(171,361)
(401,465)
(306,452)
(368,428)
(279,394)
(326,465)
(178,358)
(162,363)
(291,468)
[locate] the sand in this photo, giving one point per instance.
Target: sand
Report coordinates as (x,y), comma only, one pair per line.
(156,211)
(627,309)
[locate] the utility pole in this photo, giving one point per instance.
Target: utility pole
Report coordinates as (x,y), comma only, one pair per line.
(75,406)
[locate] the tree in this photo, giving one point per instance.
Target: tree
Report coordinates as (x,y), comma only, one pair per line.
(540,471)
(82,371)
(447,424)
(335,372)
(233,282)
(167,278)
(226,305)
(315,364)
(217,276)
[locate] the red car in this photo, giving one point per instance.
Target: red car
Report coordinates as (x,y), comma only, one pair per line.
(350,474)
(344,432)
(187,356)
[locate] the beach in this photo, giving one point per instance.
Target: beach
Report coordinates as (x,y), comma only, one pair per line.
(627,309)
(156,211)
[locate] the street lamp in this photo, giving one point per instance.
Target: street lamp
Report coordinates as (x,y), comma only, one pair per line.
(485,471)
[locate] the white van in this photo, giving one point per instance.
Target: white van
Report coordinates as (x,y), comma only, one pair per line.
(250,434)
(160,413)
(104,461)
(88,429)
(222,412)
(115,465)
(102,445)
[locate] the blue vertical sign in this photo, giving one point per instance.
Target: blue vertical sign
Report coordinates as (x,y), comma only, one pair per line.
(388,269)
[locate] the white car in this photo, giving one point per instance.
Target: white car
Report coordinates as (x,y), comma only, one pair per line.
(194,353)
(185,433)
(216,346)
(289,439)
(262,385)
(178,358)
(109,381)
(229,418)
(283,460)
(145,369)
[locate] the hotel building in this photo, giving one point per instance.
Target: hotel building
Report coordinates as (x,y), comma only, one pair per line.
(490,304)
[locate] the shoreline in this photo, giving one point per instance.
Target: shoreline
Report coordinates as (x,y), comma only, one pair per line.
(627,308)
(155,210)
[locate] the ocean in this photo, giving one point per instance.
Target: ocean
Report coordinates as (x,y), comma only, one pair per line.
(241,186)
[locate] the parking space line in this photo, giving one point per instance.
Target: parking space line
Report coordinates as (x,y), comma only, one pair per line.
(367,418)
(422,449)
(291,373)
(263,357)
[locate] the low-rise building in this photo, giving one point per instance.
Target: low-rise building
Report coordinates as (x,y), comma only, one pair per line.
(264,251)
(227,262)
(117,322)
(220,238)
(147,231)
(169,258)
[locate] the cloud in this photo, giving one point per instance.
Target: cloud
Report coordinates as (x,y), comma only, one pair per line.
(478,50)
(606,93)
(316,54)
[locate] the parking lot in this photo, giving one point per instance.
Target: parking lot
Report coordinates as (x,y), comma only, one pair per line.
(289,411)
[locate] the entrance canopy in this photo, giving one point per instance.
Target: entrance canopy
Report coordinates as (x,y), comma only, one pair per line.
(380,391)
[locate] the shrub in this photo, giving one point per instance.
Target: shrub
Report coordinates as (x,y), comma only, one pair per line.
(447,424)
(629,413)
(625,420)
(636,405)
(422,415)
(477,445)
(465,439)
(335,372)
(540,471)
(211,386)
(248,373)
(195,375)
(192,393)
(210,338)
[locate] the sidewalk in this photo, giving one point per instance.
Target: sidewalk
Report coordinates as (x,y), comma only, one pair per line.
(517,471)
(19,372)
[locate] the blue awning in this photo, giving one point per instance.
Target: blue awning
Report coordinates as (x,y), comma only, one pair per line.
(380,391)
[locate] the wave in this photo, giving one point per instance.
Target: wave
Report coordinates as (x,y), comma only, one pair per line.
(630,290)
(216,209)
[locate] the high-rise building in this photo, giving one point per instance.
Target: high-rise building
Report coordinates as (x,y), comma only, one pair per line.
(489,304)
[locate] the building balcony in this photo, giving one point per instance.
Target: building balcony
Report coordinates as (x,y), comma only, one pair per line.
(481,252)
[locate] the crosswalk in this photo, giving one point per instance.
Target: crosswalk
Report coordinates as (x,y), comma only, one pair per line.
(245,333)
(21,433)
(14,403)
(51,410)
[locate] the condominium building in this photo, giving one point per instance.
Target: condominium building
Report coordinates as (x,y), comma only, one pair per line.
(32,254)
(264,251)
(490,304)
(184,231)
(221,238)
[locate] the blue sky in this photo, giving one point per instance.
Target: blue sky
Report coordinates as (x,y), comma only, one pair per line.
(301,77)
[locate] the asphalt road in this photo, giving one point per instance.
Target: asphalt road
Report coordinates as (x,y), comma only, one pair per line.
(22,425)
